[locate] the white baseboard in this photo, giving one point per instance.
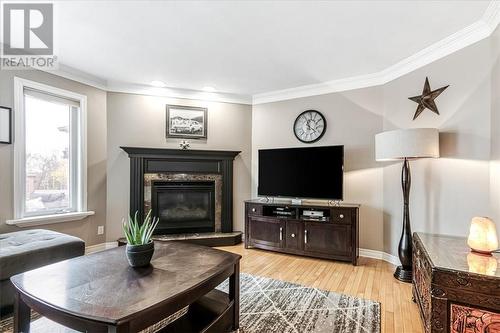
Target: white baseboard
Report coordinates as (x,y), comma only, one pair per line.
(374,254)
(100,247)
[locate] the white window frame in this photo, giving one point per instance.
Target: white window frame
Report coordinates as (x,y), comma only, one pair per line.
(20,157)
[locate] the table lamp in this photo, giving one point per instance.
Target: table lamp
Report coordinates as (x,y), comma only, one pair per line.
(483,236)
(406,145)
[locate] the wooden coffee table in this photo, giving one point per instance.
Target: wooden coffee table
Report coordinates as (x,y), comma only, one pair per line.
(100,292)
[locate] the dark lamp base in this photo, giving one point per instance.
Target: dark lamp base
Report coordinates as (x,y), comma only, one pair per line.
(403,275)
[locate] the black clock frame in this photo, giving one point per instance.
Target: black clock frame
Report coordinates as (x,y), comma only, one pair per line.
(322,133)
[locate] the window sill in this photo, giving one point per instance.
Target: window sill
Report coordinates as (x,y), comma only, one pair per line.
(49,219)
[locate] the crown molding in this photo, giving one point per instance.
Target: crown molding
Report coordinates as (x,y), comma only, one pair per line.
(491,16)
(459,40)
(356,82)
(120,87)
(74,74)
(129,88)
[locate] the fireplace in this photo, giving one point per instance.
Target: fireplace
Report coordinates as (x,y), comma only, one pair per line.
(191,191)
(183,206)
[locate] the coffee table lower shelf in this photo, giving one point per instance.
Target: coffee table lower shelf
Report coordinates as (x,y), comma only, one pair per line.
(210,313)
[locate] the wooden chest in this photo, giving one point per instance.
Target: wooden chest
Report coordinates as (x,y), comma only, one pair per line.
(457,291)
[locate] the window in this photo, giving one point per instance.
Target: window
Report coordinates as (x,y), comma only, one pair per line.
(50,154)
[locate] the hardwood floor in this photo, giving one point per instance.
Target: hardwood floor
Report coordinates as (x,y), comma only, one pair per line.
(371,279)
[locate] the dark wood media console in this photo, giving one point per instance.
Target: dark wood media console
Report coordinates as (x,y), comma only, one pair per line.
(282,227)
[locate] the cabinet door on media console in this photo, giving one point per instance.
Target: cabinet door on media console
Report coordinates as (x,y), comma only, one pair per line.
(327,238)
(266,232)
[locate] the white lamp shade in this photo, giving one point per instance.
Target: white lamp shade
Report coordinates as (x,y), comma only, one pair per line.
(407,143)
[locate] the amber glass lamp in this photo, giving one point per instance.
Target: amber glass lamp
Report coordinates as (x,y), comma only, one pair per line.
(483,235)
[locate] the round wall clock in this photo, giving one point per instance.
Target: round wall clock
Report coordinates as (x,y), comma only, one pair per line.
(309,126)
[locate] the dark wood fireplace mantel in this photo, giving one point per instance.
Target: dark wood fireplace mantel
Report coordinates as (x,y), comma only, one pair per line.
(180,154)
(161,160)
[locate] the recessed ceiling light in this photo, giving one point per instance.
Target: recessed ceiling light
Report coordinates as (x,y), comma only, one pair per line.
(159,84)
(209,89)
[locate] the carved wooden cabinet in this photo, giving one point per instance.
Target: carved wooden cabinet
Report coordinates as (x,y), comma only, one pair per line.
(457,291)
(283,227)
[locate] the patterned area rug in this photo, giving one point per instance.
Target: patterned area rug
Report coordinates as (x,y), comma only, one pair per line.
(268,305)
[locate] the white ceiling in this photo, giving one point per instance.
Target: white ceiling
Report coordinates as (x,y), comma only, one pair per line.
(249,47)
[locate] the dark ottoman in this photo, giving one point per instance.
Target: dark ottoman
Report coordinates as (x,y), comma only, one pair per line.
(22,251)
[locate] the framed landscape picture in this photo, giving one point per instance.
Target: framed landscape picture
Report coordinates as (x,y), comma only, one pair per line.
(5,125)
(186,122)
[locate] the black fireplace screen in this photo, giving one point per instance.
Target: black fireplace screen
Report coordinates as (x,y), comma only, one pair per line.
(184,207)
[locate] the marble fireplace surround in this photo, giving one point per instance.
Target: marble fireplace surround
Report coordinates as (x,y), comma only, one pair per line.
(149,178)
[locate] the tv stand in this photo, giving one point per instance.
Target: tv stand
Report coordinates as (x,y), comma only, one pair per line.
(320,231)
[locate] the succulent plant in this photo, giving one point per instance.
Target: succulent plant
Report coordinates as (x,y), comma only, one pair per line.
(137,233)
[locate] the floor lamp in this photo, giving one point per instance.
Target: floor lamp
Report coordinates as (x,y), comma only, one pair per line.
(406,145)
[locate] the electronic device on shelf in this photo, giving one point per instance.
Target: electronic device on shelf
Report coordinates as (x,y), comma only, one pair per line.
(313,213)
(277,212)
(316,219)
(283,211)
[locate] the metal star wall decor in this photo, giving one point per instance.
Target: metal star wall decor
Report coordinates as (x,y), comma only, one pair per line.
(426,100)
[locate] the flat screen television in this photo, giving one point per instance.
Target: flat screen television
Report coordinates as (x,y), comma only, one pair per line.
(313,172)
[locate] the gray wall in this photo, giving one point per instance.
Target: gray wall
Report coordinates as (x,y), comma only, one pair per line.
(96,156)
(353,118)
(138,120)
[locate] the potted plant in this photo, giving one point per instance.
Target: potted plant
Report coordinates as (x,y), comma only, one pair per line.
(140,247)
